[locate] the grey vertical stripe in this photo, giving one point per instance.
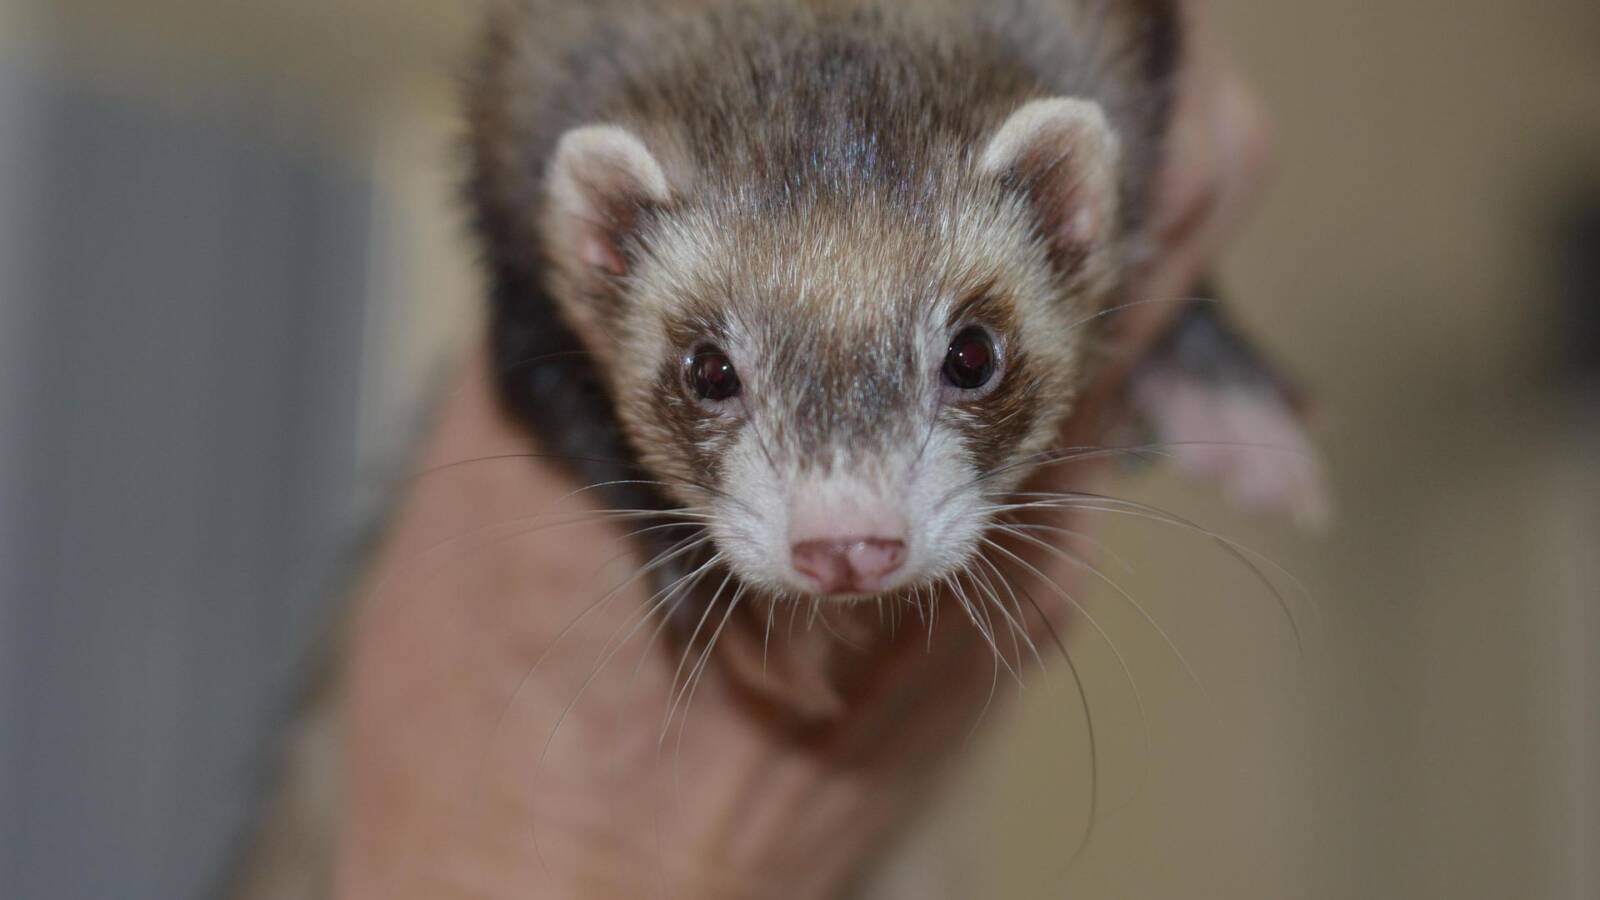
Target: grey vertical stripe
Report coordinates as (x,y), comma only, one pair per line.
(182,311)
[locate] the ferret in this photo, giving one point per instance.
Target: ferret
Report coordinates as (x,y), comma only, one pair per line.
(812,265)
(832,274)
(826,271)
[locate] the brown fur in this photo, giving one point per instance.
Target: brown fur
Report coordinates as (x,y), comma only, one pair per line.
(791,126)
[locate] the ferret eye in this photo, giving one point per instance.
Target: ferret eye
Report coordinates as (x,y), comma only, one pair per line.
(971,361)
(712,375)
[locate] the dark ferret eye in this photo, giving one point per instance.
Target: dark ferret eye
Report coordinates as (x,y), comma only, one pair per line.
(970,364)
(713,376)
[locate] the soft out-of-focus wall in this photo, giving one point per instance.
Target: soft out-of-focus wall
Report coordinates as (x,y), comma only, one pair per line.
(1439,739)
(15,155)
(213,274)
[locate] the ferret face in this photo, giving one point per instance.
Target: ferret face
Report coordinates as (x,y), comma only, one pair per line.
(844,392)
(842,383)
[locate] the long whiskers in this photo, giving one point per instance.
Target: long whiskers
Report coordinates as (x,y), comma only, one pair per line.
(696,676)
(980,621)
(688,545)
(998,659)
(1074,560)
(1122,662)
(1064,455)
(416,594)
(1090,502)
(1093,816)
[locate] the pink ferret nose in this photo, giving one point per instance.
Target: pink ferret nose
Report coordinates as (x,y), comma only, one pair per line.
(851,565)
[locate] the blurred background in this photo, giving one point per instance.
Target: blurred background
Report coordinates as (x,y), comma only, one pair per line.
(233,269)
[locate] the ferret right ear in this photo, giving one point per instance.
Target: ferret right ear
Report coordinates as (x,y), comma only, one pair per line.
(601,181)
(1062,154)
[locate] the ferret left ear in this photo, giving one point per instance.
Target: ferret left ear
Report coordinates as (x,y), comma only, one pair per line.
(1062,154)
(602,181)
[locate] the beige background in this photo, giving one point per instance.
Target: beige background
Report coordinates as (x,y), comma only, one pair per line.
(1438,736)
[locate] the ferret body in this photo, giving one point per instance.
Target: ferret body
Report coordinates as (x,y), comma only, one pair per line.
(827,272)
(823,277)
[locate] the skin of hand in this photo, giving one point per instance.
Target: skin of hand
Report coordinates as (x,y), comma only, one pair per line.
(480,629)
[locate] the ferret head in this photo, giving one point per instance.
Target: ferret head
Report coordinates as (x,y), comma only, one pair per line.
(843,372)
